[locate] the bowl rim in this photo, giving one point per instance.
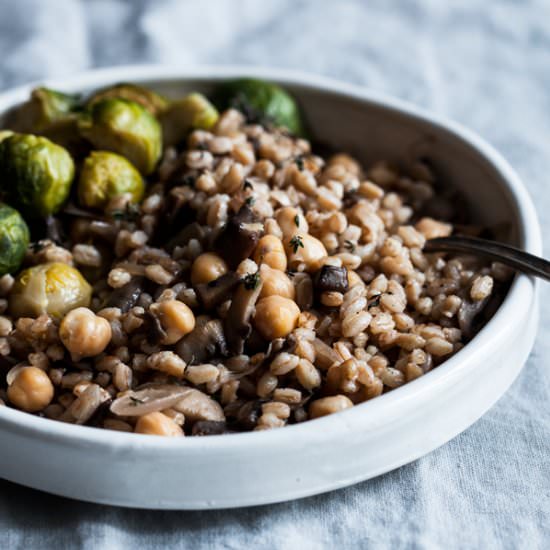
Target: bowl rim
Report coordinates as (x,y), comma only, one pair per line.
(520,295)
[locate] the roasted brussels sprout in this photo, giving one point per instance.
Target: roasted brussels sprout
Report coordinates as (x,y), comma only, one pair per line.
(262,102)
(51,114)
(107,175)
(53,288)
(192,112)
(5,134)
(45,108)
(14,239)
(35,173)
(152,101)
(126,128)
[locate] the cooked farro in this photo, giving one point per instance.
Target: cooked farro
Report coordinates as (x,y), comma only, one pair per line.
(251,285)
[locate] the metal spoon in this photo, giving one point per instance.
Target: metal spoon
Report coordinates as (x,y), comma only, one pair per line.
(503,253)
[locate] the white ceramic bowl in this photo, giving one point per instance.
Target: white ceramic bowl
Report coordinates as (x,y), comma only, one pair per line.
(331,452)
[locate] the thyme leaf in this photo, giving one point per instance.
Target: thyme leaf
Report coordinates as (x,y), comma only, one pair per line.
(296,242)
(349,245)
(251,281)
(135,401)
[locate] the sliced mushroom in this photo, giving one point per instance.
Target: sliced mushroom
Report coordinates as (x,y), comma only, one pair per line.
(103,230)
(85,406)
(192,231)
(54,231)
(215,292)
(155,397)
(176,214)
(331,278)
(126,296)
(209,427)
(239,237)
(196,405)
(325,356)
(206,340)
(237,323)
(248,414)
(467,314)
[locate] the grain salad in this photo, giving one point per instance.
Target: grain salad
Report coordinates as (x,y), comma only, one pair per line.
(199,266)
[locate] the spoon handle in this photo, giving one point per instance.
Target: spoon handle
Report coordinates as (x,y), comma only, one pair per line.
(503,253)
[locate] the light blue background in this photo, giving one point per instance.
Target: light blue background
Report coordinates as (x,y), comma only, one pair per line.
(485,64)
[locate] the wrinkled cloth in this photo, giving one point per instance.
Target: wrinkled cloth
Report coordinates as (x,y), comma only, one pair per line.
(484,64)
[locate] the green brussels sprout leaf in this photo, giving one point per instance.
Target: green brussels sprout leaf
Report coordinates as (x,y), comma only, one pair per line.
(124,127)
(35,174)
(14,239)
(44,108)
(153,102)
(107,175)
(261,102)
(192,112)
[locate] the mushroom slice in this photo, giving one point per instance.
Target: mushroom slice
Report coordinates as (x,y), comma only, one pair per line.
(149,399)
(204,341)
(467,314)
(85,405)
(209,427)
(196,405)
(237,323)
(181,238)
(126,296)
(215,292)
(331,278)
(239,237)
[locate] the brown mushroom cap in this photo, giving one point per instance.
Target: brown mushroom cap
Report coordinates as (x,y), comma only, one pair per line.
(237,323)
(331,278)
(204,341)
(215,292)
(126,296)
(238,238)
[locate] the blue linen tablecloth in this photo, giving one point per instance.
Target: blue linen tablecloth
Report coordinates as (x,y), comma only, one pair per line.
(485,64)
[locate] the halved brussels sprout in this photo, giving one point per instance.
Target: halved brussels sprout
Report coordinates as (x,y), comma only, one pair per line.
(105,176)
(14,239)
(36,173)
(53,288)
(152,101)
(4,134)
(192,112)
(126,128)
(44,108)
(49,113)
(261,101)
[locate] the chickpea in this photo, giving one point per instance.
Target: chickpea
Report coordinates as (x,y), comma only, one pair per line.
(270,251)
(276,283)
(32,390)
(207,267)
(329,405)
(84,333)
(305,249)
(176,319)
(157,423)
(276,317)
(291,220)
